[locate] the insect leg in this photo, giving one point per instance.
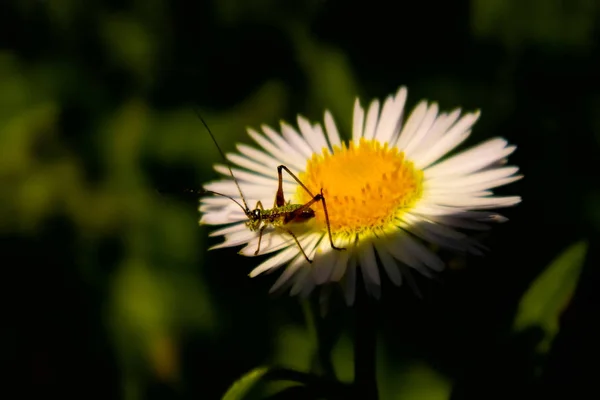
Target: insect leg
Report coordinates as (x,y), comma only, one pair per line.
(259,206)
(327,220)
(299,245)
(279,198)
(319,197)
(281,167)
(260,233)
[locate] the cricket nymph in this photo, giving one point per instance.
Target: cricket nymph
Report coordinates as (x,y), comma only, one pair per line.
(282,213)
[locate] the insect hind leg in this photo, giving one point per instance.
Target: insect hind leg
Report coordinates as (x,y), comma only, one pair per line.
(319,197)
(327,220)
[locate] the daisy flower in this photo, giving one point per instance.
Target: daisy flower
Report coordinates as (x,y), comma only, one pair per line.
(391,192)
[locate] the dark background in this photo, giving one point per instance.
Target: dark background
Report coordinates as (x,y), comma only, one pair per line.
(108,290)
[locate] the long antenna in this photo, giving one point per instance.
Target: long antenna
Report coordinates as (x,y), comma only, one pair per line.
(226,162)
(203,191)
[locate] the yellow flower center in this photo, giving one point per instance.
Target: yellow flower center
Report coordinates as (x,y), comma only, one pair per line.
(366,186)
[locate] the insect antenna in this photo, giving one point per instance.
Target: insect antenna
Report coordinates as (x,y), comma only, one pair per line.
(202,192)
(245,207)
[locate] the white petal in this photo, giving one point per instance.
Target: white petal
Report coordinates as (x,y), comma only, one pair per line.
(439,210)
(319,130)
(307,287)
(245,176)
(341,266)
(310,243)
(372,289)
(472,160)
(413,222)
(358,117)
(368,264)
(390,266)
(292,268)
(407,273)
(258,155)
(412,124)
(490,176)
(438,234)
(213,201)
(295,140)
(332,132)
(324,262)
(423,129)
(303,277)
(270,184)
(292,157)
(275,261)
(228,230)
(455,136)
(414,254)
(302,281)
(250,190)
(272,240)
(315,140)
(265,143)
(221,217)
(462,223)
(388,128)
(440,197)
(235,239)
(477,187)
(255,166)
(387,121)
(439,128)
(372,117)
(480,202)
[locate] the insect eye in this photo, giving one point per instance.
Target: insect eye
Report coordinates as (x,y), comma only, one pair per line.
(256,213)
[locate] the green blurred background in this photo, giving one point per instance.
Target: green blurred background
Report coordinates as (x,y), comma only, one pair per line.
(108,288)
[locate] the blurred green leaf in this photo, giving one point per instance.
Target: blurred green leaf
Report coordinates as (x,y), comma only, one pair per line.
(293,348)
(64,12)
(549,294)
(267,11)
(130,44)
(415,381)
(409,379)
(150,307)
(520,22)
(342,357)
(33,180)
(242,387)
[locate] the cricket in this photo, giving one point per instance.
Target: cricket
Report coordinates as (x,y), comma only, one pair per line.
(283,213)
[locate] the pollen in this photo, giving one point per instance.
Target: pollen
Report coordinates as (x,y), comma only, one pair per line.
(367,187)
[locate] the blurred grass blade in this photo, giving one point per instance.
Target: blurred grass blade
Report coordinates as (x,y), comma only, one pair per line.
(418,381)
(550,293)
(242,387)
(412,378)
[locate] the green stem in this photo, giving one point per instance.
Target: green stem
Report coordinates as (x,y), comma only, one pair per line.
(322,359)
(365,343)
